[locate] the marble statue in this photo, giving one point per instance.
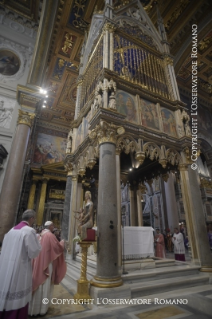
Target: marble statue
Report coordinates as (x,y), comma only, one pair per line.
(69,142)
(112,101)
(86,219)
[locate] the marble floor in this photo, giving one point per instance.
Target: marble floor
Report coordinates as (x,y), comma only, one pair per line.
(150,311)
(189,303)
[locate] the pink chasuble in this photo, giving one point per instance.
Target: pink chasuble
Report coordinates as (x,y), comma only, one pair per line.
(160,246)
(52,251)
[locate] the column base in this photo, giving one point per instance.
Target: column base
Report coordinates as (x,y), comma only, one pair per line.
(206,269)
(82,289)
(106,282)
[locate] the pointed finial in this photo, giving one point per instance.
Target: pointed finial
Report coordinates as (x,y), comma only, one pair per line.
(161,27)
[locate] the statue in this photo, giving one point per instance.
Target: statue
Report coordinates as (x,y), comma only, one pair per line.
(187,129)
(185,119)
(69,142)
(97,102)
(86,217)
(112,101)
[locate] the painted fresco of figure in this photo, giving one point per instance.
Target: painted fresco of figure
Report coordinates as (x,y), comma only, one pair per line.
(125,105)
(149,115)
(49,149)
(169,125)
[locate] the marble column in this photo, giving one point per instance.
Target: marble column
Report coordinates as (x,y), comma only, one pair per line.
(66,210)
(139,206)
(195,219)
(72,220)
(119,221)
(133,206)
(163,199)
(43,40)
(42,202)
(11,188)
(32,195)
(107,222)
(171,203)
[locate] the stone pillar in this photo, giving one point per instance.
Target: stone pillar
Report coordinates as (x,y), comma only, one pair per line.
(133,206)
(171,203)
(195,220)
(42,202)
(106,46)
(32,195)
(44,36)
(73,207)
(164,208)
(11,188)
(107,249)
(139,206)
(66,210)
(111,33)
(119,221)
(77,107)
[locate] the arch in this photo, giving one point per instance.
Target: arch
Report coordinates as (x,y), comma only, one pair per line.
(151,150)
(127,144)
(173,157)
(145,33)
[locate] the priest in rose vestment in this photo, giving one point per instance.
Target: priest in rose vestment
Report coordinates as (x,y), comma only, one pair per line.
(160,245)
(20,245)
(49,268)
(179,247)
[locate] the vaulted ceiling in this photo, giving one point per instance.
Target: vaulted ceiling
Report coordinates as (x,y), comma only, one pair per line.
(72,21)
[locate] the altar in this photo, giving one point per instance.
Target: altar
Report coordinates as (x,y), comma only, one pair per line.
(137,242)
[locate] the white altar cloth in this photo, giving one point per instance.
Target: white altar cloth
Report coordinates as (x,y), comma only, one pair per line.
(137,242)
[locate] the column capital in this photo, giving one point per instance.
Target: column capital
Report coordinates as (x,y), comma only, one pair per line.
(45,180)
(183,167)
(106,133)
(109,27)
(25,118)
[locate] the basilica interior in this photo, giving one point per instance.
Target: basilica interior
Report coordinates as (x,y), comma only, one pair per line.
(97,96)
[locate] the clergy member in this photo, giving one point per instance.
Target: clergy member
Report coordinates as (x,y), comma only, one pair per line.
(20,245)
(179,248)
(49,268)
(160,245)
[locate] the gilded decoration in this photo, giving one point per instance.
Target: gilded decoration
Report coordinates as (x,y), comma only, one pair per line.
(90,76)
(25,118)
(152,151)
(57,194)
(205,183)
(173,157)
(140,66)
(106,133)
(126,144)
(204,44)
(177,12)
(68,42)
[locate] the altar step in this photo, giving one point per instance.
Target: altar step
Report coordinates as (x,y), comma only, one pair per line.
(74,266)
(159,286)
(139,283)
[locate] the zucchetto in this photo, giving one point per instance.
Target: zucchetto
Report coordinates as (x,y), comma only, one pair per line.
(48,223)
